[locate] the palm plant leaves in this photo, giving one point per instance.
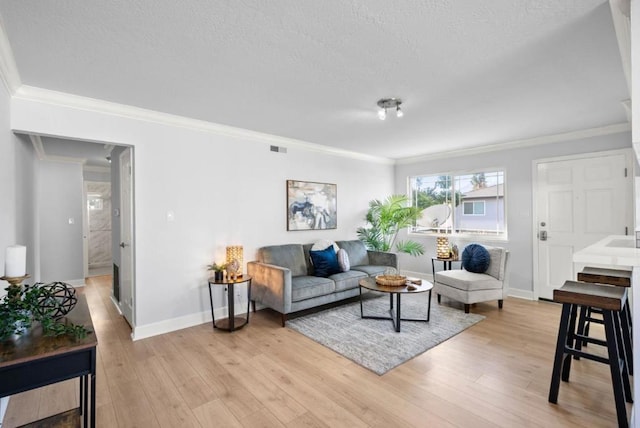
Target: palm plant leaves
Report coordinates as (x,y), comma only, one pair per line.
(385,219)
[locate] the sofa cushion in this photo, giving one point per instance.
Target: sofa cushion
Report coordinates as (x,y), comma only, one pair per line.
(343,260)
(356,250)
(475,258)
(307,287)
(289,256)
(371,270)
(347,280)
(325,262)
(467,281)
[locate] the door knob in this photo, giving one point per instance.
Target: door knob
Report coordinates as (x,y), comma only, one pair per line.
(543,235)
(122,245)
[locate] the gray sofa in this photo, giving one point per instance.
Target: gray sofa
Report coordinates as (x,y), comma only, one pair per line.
(283,276)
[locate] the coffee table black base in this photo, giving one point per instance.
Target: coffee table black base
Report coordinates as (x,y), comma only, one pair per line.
(395,316)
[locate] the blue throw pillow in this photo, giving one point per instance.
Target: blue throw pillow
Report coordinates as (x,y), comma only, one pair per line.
(325,262)
(475,258)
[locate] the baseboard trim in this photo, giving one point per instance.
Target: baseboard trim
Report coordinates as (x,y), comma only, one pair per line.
(421,275)
(178,323)
(76,282)
(520,294)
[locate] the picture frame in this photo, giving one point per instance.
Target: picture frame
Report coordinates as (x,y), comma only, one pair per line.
(311,205)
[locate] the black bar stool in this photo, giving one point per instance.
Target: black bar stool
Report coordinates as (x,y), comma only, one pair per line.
(618,278)
(611,300)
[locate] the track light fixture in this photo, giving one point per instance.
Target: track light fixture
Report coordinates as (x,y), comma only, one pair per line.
(387,103)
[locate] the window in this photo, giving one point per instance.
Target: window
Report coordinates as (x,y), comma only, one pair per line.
(94,203)
(473,208)
(468,203)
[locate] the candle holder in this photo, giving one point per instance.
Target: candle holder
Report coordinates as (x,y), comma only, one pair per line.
(15,286)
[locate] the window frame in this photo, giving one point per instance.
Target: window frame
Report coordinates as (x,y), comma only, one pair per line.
(473,206)
(451,231)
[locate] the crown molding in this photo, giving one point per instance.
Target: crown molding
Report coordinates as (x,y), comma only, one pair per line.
(43,156)
(30,93)
(517,144)
(621,16)
(8,68)
(96,168)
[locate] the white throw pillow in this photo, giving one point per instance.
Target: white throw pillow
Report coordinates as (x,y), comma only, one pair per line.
(324,243)
(343,260)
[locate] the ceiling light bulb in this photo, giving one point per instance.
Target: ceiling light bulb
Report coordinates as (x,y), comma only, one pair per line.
(382,113)
(399,112)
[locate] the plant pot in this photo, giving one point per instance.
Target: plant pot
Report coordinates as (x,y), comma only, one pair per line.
(218,275)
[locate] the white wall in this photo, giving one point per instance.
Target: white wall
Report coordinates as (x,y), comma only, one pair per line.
(222,190)
(59,198)
(518,166)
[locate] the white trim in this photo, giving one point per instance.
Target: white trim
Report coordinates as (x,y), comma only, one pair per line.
(173,324)
(96,168)
(8,68)
(43,156)
(421,275)
(169,325)
(629,154)
(520,294)
(529,142)
(37,146)
(621,16)
(45,96)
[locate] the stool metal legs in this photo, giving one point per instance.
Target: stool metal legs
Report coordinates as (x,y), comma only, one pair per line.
(569,344)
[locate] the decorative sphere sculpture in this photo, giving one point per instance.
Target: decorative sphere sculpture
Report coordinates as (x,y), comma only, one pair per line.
(57,299)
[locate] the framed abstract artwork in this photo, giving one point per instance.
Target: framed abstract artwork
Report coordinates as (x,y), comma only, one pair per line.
(311,206)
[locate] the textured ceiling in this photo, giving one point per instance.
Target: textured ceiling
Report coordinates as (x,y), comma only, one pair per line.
(470,72)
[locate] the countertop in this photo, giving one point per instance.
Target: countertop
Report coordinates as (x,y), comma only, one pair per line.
(614,250)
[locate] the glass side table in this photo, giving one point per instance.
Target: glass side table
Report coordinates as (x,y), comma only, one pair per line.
(232,322)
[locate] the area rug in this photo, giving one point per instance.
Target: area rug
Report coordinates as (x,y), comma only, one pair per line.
(374,344)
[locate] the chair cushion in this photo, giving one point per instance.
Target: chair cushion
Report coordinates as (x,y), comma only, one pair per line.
(357,252)
(467,281)
(475,258)
(325,262)
(307,287)
(289,256)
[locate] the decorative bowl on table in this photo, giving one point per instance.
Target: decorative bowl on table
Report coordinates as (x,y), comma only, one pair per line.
(391,280)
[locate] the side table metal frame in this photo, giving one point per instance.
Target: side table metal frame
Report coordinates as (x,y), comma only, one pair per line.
(229,323)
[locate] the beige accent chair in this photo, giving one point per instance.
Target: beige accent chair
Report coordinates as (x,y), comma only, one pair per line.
(468,287)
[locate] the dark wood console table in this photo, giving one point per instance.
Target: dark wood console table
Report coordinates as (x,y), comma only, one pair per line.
(34,360)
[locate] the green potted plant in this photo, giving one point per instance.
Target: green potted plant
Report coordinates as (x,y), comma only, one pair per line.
(384,220)
(24,306)
(218,270)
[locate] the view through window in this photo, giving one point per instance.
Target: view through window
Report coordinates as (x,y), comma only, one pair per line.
(468,203)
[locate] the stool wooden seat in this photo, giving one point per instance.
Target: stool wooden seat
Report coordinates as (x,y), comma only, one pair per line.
(618,277)
(612,301)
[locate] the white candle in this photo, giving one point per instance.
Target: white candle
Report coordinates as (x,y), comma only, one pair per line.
(15,261)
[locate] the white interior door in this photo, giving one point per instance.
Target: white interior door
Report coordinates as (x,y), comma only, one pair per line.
(126,235)
(578,202)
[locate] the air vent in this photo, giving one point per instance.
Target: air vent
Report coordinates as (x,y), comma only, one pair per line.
(278,149)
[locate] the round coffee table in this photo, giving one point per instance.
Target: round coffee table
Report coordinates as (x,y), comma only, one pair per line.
(395,317)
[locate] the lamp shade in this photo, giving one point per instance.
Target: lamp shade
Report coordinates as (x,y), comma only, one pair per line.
(442,247)
(235,252)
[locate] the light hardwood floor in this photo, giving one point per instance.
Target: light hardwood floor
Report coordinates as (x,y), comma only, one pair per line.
(495,373)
